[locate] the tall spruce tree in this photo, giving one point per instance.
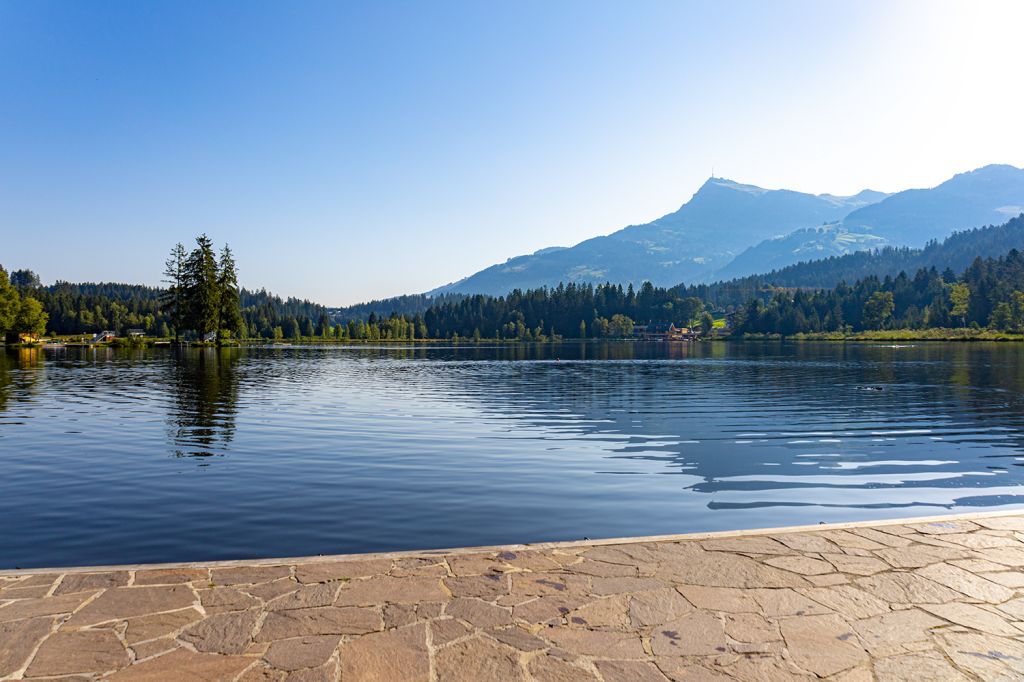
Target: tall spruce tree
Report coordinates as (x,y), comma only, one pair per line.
(172,301)
(230,301)
(202,291)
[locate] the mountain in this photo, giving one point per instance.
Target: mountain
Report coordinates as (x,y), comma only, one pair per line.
(722,219)
(988,195)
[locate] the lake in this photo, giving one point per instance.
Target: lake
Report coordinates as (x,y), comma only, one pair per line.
(118,456)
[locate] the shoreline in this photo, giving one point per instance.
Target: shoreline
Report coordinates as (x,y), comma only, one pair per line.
(553,545)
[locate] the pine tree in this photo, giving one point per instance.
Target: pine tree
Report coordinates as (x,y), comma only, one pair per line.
(172,301)
(230,302)
(202,293)
(10,304)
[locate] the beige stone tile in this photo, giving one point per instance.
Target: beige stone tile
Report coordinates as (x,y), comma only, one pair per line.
(800,564)
(823,645)
(922,667)
(341,570)
(478,613)
(311,651)
(629,671)
(856,565)
(243,575)
(966,583)
(891,629)
(478,658)
(785,602)
(696,634)
(393,656)
(142,628)
(551,669)
(727,599)
(222,633)
(49,606)
(187,665)
(976,617)
(595,642)
(847,600)
(605,612)
(906,588)
(655,607)
(85,651)
(386,590)
(18,639)
(756,544)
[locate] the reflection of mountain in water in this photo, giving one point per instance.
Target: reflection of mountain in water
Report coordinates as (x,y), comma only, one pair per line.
(758,425)
(201,422)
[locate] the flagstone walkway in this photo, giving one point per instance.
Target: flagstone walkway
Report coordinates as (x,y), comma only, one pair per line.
(937,599)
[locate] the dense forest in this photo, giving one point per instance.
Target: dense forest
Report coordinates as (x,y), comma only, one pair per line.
(409,306)
(19,313)
(797,299)
(989,293)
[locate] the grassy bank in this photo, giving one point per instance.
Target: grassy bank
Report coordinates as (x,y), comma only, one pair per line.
(890,335)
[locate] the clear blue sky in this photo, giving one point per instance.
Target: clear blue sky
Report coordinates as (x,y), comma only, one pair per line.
(358,150)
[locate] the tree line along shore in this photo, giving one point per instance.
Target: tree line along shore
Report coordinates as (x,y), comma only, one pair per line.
(202,301)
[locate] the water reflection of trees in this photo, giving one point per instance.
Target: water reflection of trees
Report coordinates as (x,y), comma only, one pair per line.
(205,385)
(20,371)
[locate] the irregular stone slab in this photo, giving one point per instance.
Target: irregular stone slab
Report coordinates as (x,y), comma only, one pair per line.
(1002,523)
(223,633)
(922,667)
(654,607)
(48,606)
(777,603)
(517,638)
(801,564)
(917,556)
(629,671)
(325,620)
(688,670)
(187,665)
(881,538)
(987,656)
(35,579)
(966,583)
(595,642)
(857,565)
(975,617)
(153,647)
(393,656)
(806,542)
(223,599)
(548,610)
(696,634)
(952,526)
(604,569)
(448,629)
(534,584)
(31,592)
(85,651)
(419,567)
(848,540)
(847,601)
(271,590)
(907,588)
(478,659)
(751,628)
(91,582)
(605,612)
(551,669)
(721,569)
(607,586)
(768,669)
(301,652)
(478,612)
(891,629)
(119,603)
(756,544)
(385,590)
(247,575)
(306,597)
(142,628)
(1011,579)
(728,599)
(824,645)
(18,640)
(171,576)
(477,564)
(341,570)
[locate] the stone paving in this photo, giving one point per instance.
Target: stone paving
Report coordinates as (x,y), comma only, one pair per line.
(934,599)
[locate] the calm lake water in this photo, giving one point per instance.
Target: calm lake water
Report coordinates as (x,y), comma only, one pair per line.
(140,456)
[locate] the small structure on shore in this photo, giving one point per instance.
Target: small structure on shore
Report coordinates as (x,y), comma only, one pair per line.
(103,337)
(663,332)
(136,333)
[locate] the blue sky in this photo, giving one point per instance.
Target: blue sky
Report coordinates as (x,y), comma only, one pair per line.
(358,150)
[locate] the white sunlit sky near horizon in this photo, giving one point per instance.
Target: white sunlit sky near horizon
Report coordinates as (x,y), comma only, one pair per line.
(350,151)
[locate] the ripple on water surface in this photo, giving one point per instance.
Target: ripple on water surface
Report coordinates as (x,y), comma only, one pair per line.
(116,457)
